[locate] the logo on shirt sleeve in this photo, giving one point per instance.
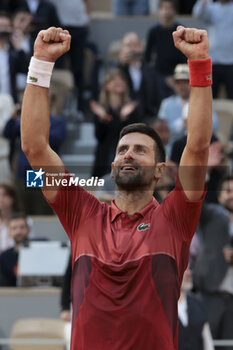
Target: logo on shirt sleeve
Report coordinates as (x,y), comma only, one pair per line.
(143,227)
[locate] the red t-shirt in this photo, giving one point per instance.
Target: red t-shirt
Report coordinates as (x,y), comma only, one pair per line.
(127,271)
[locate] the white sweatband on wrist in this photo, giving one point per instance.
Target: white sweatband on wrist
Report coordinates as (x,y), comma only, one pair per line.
(39,72)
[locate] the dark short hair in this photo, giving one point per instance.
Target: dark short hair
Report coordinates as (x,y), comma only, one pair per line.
(19,215)
(147,130)
(5,14)
(226,178)
(173,2)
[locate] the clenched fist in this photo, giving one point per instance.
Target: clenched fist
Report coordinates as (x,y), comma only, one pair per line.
(52,43)
(192,42)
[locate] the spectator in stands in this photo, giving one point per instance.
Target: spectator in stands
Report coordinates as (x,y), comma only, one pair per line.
(160,50)
(19,232)
(194,330)
(213,271)
(44,15)
(21,37)
(75,17)
(219,16)
(113,111)
(142,80)
(174,109)
(12,59)
(33,201)
(9,203)
(130,7)
(6,108)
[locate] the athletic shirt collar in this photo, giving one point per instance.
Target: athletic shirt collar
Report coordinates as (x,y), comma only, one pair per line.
(115,211)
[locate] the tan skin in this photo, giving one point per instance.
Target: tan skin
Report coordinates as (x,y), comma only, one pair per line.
(142,152)
(51,44)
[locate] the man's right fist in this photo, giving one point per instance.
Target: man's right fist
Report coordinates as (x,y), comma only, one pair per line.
(51,43)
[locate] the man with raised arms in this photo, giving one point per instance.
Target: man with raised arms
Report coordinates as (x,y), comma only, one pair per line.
(128,258)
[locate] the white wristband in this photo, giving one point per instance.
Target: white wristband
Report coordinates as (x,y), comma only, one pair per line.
(39,72)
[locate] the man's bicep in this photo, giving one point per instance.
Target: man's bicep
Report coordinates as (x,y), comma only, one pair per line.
(192,173)
(50,163)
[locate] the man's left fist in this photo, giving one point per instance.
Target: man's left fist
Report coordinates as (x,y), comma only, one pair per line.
(192,42)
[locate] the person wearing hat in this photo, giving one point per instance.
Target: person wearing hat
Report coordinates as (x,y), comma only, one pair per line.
(173,108)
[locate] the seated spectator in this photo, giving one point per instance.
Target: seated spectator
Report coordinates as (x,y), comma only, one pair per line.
(213,270)
(33,201)
(114,110)
(9,203)
(142,80)
(194,330)
(130,7)
(219,16)
(12,59)
(160,50)
(174,109)
(19,232)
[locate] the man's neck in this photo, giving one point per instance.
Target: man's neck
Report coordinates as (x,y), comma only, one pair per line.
(132,201)
(167,24)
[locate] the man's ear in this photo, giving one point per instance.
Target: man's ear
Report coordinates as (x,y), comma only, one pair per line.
(160,170)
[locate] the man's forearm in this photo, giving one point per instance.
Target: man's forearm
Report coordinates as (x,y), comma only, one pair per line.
(200,119)
(35,120)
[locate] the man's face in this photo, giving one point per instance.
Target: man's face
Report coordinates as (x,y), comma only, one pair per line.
(132,43)
(116,85)
(134,164)
(182,88)
(225,196)
(18,230)
(5,28)
(166,12)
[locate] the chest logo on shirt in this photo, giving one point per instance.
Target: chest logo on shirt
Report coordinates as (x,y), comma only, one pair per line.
(143,227)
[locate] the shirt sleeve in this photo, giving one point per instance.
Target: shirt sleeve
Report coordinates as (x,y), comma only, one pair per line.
(181,212)
(203,11)
(73,205)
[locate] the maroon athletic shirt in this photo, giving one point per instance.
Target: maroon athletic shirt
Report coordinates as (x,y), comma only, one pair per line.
(127,271)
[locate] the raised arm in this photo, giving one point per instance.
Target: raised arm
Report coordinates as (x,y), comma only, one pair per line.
(193,165)
(35,122)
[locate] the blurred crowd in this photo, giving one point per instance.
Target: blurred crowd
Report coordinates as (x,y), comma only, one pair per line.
(141,80)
